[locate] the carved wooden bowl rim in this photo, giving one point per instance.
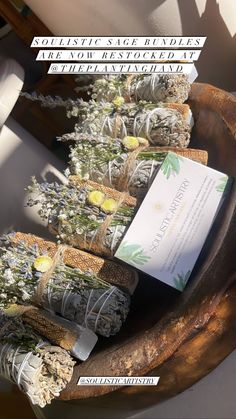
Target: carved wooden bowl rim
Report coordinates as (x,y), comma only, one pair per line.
(158,348)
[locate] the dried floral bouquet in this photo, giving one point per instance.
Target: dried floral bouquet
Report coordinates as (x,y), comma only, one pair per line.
(126,165)
(163,124)
(79,296)
(171,88)
(84,214)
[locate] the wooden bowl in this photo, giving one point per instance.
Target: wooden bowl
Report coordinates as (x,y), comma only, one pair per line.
(179,337)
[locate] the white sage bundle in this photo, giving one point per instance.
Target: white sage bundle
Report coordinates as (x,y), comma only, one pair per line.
(31,277)
(161,124)
(126,165)
(171,88)
(40,370)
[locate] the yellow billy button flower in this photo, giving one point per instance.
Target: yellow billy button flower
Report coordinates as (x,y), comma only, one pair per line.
(11,310)
(43,263)
(109,205)
(143,141)
(131,143)
(14,310)
(118,101)
(96,198)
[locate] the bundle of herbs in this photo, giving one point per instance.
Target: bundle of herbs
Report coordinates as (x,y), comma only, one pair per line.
(84,214)
(161,124)
(40,370)
(127,164)
(78,295)
(170,88)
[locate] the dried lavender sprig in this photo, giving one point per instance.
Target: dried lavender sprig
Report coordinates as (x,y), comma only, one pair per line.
(51,102)
(76,295)
(40,370)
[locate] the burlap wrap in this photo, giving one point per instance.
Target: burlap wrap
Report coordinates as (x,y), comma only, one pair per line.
(109,271)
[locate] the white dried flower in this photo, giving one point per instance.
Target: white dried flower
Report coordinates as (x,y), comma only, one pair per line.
(25,295)
(10,282)
(67,172)
(77,164)
(8,275)
(62,217)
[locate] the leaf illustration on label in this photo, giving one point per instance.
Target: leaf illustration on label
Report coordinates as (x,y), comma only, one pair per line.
(171,165)
(222,184)
(132,253)
(181,280)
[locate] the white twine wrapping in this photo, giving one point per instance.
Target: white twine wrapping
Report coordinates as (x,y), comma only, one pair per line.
(145,125)
(90,311)
(11,372)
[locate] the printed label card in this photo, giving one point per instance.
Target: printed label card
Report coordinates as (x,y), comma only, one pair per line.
(169,230)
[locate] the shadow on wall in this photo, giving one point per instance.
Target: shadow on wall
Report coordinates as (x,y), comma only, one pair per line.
(217,63)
